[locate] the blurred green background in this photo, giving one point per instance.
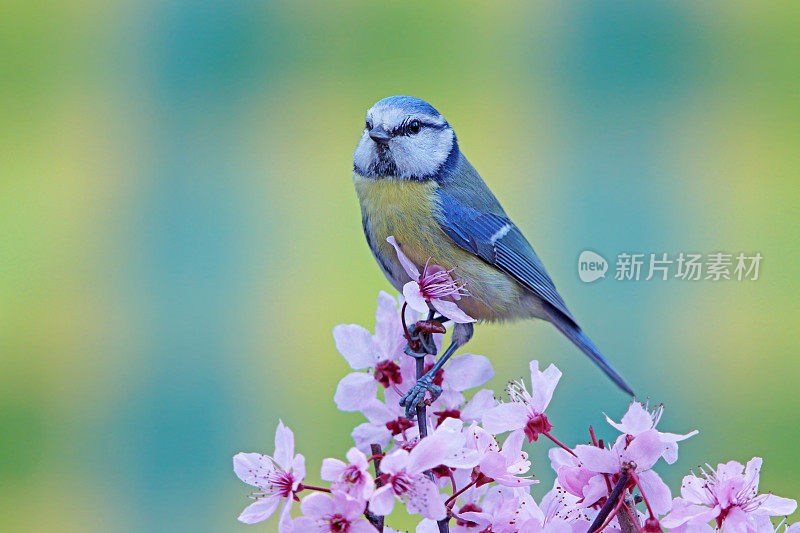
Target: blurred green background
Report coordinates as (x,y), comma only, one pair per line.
(179,233)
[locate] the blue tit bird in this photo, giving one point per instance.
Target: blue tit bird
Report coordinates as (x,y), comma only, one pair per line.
(414,183)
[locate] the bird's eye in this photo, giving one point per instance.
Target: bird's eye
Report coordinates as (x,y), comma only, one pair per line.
(413,127)
(369,125)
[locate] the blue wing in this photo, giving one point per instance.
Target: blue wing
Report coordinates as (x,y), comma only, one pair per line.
(493,237)
(498,241)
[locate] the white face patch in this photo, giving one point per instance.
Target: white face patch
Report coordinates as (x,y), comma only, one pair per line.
(406,156)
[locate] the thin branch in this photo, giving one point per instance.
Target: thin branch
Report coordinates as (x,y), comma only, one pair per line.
(375,520)
(629,520)
(611,502)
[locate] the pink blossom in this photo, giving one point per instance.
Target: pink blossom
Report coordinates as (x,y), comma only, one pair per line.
(573,476)
(351,478)
(277,477)
(378,353)
(501,511)
(730,496)
(453,440)
(526,410)
(384,421)
(434,286)
(560,512)
(505,466)
(636,456)
(638,419)
(404,478)
(480,403)
(334,513)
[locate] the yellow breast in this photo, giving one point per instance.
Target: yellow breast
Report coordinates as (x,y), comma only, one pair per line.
(405,209)
(409,211)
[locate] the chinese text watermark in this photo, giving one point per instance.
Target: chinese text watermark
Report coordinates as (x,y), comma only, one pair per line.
(630,266)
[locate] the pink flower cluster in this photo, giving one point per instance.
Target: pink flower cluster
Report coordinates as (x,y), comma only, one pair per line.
(467,473)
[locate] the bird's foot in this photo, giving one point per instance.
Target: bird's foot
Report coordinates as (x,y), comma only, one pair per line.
(416,394)
(421,342)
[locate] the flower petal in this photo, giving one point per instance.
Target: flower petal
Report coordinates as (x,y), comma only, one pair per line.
(597,459)
(388,329)
(451,311)
(468,371)
(259,510)
(298,469)
(481,402)
(644,450)
(595,489)
(332,469)
(656,491)
(414,297)
(735,521)
(382,501)
(542,385)
(428,453)
(636,420)
(253,468)
(284,446)
(356,346)
(505,417)
(693,490)
(395,461)
(410,268)
(367,434)
(683,511)
(285,522)
(356,457)
(512,447)
(355,390)
(771,505)
(423,498)
(317,505)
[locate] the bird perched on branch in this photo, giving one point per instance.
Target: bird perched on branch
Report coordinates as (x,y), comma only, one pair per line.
(413,183)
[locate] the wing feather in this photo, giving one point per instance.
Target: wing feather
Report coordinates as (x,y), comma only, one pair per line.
(498,241)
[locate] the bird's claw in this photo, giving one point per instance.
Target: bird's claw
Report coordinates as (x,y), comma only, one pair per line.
(416,395)
(421,343)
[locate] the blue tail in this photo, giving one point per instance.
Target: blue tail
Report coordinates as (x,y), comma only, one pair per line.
(579,339)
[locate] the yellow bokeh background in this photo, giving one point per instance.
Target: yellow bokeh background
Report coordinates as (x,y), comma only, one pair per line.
(179,233)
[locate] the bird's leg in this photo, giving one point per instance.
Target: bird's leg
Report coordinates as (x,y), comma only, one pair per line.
(462,333)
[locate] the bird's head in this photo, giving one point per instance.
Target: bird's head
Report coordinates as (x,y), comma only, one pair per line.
(405,138)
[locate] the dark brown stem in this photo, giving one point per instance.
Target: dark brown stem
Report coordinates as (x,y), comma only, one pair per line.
(611,515)
(629,520)
(611,502)
(422,420)
(375,520)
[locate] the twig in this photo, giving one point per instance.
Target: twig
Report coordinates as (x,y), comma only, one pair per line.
(629,520)
(422,419)
(611,502)
(375,520)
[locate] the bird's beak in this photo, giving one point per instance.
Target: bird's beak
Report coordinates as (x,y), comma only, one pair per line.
(379,135)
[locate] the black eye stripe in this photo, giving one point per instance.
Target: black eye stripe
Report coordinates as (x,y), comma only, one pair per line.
(402,129)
